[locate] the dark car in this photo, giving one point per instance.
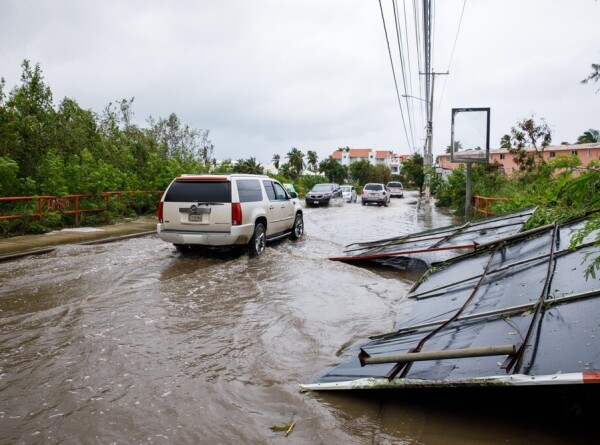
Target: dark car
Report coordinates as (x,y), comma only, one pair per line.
(322,194)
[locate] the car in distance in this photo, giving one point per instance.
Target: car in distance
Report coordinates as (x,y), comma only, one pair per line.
(349,193)
(395,189)
(227,210)
(322,194)
(374,193)
(290,188)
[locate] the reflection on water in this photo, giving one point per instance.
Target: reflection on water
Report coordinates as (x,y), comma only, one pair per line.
(133,342)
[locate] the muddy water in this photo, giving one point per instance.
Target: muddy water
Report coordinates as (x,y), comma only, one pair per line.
(131,342)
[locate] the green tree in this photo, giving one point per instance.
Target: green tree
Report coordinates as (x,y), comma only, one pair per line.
(361,171)
(29,126)
(528,143)
(594,75)
(589,136)
(8,177)
(276,160)
(287,172)
(505,141)
(313,160)
(457,147)
(333,170)
(249,166)
(224,167)
(413,172)
(296,161)
(381,173)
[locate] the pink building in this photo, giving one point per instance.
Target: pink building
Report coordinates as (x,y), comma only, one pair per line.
(585,152)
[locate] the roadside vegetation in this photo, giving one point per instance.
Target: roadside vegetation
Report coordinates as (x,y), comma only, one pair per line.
(60,149)
(561,188)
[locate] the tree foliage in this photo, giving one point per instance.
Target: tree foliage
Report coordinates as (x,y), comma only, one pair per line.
(594,75)
(529,140)
(61,149)
(333,170)
(413,172)
(296,161)
(589,136)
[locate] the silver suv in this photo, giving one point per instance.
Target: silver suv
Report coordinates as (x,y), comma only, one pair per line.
(226,210)
(374,193)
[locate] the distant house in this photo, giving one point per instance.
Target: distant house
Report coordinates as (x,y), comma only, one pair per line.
(585,152)
(375,157)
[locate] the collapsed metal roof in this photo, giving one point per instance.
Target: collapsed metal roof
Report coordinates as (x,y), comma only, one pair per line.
(420,250)
(517,311)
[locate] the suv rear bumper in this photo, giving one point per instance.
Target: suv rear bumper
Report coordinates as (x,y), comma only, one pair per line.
(376,200)
(237,235)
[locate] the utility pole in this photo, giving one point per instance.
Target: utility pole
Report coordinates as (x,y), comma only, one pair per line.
(429,83)
(428,155)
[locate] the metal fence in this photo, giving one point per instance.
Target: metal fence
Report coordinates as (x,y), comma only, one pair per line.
(76,204)
(483,204)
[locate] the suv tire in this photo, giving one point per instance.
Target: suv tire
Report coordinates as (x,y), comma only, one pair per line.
(258,241)
(298,228)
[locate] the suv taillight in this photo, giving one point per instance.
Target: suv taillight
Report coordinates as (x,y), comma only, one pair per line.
(160,212)
(236,214)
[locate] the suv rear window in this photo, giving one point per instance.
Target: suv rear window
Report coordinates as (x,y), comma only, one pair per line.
(249,190)
(373,187)
(199,191)
(394,184)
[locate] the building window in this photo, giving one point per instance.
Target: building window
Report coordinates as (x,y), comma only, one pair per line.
(502,156)
(552,154)
(574,152)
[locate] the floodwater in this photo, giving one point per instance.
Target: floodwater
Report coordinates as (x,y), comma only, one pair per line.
(133,342)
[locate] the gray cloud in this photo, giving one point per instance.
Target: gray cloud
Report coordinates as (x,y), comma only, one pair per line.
(264,76)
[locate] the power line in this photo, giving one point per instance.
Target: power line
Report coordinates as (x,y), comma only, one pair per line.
(452,55)
(394,73)
(401,55)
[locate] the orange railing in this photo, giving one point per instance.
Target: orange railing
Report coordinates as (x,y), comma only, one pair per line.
(483,203)
(68,204)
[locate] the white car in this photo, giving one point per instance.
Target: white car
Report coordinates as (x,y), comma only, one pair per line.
(227,210)
(348,193)
(395,188)
(375,193)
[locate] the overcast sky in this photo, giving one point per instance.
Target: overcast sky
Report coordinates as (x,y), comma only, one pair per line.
(268,75)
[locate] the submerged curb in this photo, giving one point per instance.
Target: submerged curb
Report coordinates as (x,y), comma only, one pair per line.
(42,251)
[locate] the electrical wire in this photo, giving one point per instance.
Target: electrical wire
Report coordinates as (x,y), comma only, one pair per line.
(451,56)
(401,55)
(394,72)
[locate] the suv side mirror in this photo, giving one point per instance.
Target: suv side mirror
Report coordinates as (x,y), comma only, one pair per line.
(293,194)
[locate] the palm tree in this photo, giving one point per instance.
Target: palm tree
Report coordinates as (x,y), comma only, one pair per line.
(313,160)
(248,166)
(589,136)
(457,147)
(276,159)
(505,141)
(595,74)
(296,160)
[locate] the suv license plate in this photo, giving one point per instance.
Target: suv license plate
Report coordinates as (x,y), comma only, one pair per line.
(195,218)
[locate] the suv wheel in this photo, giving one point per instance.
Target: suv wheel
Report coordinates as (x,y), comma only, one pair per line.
(258,241)
(298,228)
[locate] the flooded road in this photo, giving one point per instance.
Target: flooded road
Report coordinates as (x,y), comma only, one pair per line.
(132,342)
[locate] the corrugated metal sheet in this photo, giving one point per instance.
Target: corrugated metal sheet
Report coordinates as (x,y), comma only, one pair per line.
(420,250)
(530,292)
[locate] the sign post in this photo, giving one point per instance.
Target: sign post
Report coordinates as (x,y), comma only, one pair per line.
(470,143)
